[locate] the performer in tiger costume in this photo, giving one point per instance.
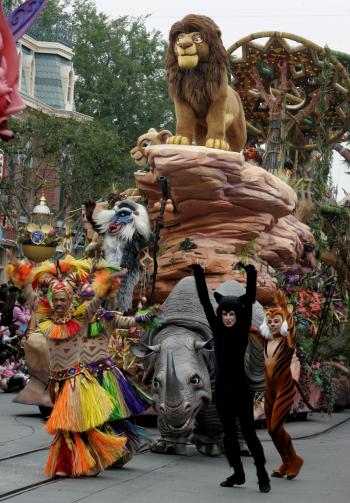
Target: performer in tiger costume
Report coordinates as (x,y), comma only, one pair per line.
(278,336)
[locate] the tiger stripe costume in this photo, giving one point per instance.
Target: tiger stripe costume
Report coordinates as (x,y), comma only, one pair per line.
(279,383)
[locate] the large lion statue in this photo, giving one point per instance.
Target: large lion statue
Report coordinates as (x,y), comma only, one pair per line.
(207,109)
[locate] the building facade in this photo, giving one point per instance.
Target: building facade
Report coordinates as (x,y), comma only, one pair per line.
(46,83)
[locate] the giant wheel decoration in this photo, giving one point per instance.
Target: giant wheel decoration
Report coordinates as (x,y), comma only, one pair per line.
(279,84)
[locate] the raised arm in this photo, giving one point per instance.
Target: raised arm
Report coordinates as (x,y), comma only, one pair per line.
(92,307)
(21,272)
(119,321)
(292,333)
(31,296)
(203,294)
(105,284)
(147,319)
(251,284)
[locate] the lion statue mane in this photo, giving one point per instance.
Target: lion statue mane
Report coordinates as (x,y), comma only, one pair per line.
(207,109)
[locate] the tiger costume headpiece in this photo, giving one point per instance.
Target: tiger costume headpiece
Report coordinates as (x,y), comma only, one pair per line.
(280,310)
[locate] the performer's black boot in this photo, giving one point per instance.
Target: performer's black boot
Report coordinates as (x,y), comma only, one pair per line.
(236,479)
(263,479)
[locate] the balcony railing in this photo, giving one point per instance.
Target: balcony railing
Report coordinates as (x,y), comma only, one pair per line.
(56,33)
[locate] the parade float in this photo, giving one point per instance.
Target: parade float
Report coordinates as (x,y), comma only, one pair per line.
(12,28)
(272,206)
(220,208)
(296,99)
(11,101)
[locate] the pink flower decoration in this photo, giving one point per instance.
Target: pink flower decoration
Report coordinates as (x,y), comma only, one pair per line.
(309,304)
(10,99)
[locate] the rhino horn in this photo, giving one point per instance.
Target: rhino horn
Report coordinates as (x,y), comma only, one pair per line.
(173,395)
(142,350)
(206,345)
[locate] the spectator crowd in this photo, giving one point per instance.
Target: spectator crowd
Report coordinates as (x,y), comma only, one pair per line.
(14,320)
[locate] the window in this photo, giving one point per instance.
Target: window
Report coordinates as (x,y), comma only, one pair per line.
(70,87)
(32,77)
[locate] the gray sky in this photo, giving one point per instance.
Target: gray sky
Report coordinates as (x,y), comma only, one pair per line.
(323,22)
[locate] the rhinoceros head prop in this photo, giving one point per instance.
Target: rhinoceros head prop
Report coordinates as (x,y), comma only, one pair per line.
(180,380)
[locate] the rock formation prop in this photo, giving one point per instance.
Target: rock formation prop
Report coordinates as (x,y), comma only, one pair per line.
(222,210)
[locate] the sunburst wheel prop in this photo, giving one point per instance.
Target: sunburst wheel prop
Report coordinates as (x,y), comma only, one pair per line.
(279,79)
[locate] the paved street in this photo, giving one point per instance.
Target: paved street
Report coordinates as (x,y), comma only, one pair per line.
(151,478)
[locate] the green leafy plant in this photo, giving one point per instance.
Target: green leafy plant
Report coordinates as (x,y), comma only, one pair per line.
(247,250)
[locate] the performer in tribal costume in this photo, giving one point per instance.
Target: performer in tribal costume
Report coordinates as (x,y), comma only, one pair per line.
(128,399)
(81,405)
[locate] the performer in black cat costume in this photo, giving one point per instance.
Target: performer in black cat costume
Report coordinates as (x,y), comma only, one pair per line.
(230,326)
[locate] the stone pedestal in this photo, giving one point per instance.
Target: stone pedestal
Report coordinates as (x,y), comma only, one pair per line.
(222,210)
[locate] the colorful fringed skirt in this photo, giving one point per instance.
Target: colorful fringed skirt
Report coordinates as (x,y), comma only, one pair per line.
(81,405)
(136,436)
(128,399)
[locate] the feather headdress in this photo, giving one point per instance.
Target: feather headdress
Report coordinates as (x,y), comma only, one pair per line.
(67,270)
(107,282)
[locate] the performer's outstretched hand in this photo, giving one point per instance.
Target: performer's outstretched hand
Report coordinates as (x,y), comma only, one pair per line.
(246,267)
(249,268)
(196,268)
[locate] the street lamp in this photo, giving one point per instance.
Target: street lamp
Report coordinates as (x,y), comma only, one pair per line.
(40,240)
(41,218)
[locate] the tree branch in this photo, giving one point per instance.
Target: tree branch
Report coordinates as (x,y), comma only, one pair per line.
(310,108)
(260,87)
(344,152)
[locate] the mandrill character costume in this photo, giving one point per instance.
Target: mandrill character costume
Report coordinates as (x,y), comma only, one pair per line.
(278,337)
(207,109)
(80,405)
(126,232)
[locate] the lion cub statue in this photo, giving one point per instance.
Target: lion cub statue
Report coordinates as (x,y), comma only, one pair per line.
(152,137)
(207,109)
